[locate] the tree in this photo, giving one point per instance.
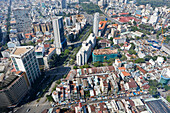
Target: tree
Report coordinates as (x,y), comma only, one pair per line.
(75,67)
(154,58)
(147,57)
(86,66)
(134,22)
(121,44)
(153,83)
(167,87)
(168,98)
(132,46)
(97,64)
(71,62)
(58,81)
(140,60)
(153,91)
(66,52)
(131,51)
(111,39)
(49,98)
(123,58)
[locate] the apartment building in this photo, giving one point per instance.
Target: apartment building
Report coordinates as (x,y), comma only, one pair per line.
(24,59)
(13,87)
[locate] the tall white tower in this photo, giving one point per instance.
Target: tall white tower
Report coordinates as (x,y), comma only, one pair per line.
(59,39)
(96,23)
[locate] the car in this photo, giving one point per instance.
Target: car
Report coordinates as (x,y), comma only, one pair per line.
(28,110)
(37,105)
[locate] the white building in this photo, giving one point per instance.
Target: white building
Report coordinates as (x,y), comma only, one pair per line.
(6,53)
(78,26)
(96,24)
(74,19)
(86,49)
(59,39)
(23,21)
(13,44)
(154,19)
(24,59)
(119,40)
(68,22)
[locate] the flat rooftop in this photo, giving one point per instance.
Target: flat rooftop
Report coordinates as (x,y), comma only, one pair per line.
(157,106)
(104,51)
(9,80)
(21,50)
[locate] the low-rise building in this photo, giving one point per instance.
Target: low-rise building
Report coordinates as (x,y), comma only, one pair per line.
(103,54)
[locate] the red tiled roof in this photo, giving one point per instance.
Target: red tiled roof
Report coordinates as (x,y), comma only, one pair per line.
(146,86)
(46,45)
(126,19)
(104,41)
(126,73)
(121,68)
(142,70)
(103,23)
(132,84)
(131,103)
(123,13)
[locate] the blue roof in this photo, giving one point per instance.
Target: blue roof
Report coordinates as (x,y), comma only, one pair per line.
(138,12)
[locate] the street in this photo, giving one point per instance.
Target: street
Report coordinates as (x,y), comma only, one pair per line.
(38,107)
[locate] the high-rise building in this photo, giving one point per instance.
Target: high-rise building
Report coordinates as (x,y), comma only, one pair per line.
(126,1)
(13,88)
(85,51)
(23,21)
(78,26)
(68,22)
(74,19)
(36,27)
(96,24)
(24,59)
(63,4)
(59,38)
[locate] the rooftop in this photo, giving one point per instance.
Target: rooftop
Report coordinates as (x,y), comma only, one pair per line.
(6,82)
(21,50)
(126,73)
(157,106)
(103,24)
(104,51)
(126,19)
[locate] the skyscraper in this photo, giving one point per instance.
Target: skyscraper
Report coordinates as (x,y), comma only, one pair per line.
(24,59)
(96,24)
(63,4)
(59,39)
(68,22)
(23,21)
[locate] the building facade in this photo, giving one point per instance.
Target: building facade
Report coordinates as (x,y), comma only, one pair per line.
(13,89)
(96,24)
(100,55)
(60,41)
(23,20)
(24,59)
(86,49)
(63,4)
